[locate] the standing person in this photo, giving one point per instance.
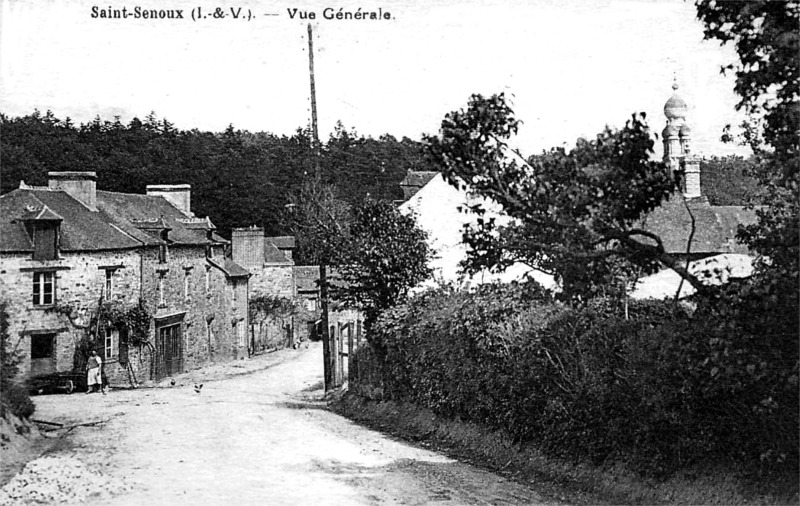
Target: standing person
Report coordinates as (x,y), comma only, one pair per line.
(94,378)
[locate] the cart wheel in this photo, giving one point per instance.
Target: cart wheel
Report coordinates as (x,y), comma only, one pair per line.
(70,386)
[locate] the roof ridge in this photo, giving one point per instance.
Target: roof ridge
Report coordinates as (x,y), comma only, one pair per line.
(130,194)
(114,225)
(25,186)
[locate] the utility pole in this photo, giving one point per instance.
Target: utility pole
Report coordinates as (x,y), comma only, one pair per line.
(328,359)
(314,131)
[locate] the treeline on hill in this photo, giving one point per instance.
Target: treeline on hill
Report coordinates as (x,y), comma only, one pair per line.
(729,181)
(238,178)
(647,384)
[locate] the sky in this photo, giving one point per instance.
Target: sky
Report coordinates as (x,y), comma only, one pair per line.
(570,66)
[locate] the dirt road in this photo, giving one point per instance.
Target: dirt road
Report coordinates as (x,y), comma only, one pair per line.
(259,438)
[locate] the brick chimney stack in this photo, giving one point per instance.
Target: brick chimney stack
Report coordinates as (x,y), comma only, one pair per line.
(247,247)
(82,186)
(179,195)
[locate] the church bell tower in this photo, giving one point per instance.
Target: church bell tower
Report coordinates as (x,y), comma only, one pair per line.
(677,138)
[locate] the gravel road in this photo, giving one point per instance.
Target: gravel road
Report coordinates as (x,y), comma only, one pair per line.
(259,438)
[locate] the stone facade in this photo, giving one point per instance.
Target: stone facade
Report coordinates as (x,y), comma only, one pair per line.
(80,281)
(270,260)
(270,265)
(274,280)
(190,289)
(108,248)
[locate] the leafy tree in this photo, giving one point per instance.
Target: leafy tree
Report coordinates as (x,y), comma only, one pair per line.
(13,395)
(386,256)
(767,42)
(319,221)
(768,81)
(574,214)
(729,181)
(761,317)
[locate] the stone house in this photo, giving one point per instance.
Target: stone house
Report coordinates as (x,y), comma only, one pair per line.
(271,269)
(274,273)
(68,252)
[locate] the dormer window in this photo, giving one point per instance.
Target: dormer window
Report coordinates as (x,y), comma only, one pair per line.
(45,240)
(162,249)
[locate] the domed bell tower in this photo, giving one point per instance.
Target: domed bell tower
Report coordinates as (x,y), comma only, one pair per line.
(677,139)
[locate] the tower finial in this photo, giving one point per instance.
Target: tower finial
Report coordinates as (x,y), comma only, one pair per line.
(675,81)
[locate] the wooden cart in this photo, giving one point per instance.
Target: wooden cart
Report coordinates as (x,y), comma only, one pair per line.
(67,382)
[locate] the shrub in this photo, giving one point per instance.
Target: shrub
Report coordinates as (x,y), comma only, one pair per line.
(13,396)
(660,389)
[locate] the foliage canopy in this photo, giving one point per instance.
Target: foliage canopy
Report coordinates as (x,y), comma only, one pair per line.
(575,213)
(385,256)
(767,74)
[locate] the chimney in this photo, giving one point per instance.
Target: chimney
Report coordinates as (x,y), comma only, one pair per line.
(691,184)
(247,246)
(82,186)
(179,195)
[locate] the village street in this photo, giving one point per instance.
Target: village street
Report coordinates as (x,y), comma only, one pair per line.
(258,438)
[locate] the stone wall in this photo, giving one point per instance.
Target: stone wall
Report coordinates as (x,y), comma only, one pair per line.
(186,287)
(201,294)
(274,280)
(80,280)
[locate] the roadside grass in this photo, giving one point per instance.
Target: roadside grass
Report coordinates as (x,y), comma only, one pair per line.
(573,482)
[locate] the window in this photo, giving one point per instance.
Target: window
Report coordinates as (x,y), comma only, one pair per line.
(240,332)
(311,304)
(161,299)
(122,346)
(44,284)
(210,335)
(42,346)
(109,288)
(111,335)
(187,284)
(163,252)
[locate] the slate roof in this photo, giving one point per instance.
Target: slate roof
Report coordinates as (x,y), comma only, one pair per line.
(81,229)
(415,180)
(122,221)
(418,178)
(124,207)
(230,268)
(282,241)
(272,255)
(715,226)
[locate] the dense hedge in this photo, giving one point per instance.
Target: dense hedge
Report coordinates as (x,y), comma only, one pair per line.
(14,396)
(660,390)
